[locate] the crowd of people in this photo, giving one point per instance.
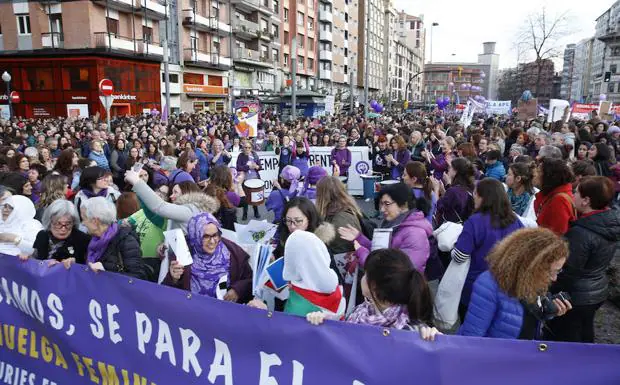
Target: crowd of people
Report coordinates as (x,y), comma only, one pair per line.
(534,201)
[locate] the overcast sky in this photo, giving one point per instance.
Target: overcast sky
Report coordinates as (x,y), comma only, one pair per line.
(464,25)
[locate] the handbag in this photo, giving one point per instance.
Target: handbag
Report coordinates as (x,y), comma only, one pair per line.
(447,234)
(446,308)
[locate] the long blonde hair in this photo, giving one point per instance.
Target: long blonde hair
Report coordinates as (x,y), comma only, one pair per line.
(52,188)
(521,262)
(331,197)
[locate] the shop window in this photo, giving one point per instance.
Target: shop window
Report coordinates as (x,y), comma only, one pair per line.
(215,81)
(75,78)
(199,106)
(114,74)
(39,79)
(190,78)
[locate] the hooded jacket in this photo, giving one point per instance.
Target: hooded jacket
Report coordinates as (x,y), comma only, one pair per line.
(20,222)
(592,244)
(555,210)
(410,236)
(180,212)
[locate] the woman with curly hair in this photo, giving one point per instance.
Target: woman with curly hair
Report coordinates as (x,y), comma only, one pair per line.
(509,300)
(67,165)
(221,188)
(53,187)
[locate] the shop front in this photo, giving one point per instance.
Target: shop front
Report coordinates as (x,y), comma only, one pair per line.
(204,93)
(68,86)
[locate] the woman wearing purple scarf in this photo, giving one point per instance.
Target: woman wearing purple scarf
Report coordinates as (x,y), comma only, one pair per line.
(112,247)
(397,296)
(220,268)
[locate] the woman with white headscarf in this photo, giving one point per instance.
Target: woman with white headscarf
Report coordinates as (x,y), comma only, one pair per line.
(18,228)
(313,285)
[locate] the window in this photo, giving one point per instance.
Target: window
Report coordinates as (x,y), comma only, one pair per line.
(275,55)
(346,35)
(193,43)
(286,37)
(75,78)
(346,52)
(310,23)
(310,64)
(300,18)
(346,69)
(264,26)
(610,87)
(613,68)
(112,25)
(275,31)
(285,60)
(147,34)
(346,17)
(23,24)
(276,6)
(310,4)
(285,14)
(214,80)
(174,78)
(39,79)
(266,3)
(300,62)
(190,78)
(311,44)
(300,40)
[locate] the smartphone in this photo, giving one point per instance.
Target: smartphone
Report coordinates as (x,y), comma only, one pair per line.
(137,167)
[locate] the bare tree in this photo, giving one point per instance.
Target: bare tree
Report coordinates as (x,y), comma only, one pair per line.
(540,36)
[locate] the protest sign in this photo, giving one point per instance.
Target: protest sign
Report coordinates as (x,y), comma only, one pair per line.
(557,110)
(582,111)
(528,110)
(499,107)
(360,164)
(246,117)
(74,326)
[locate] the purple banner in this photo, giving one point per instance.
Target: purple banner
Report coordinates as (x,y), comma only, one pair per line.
(77,327)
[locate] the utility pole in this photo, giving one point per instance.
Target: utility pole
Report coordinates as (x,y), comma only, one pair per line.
(294,77)
(366,52)
(166,69)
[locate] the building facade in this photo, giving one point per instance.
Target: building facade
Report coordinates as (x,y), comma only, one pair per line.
(371,18)
(57,52)
(581,89)
(568,72)
(448,79)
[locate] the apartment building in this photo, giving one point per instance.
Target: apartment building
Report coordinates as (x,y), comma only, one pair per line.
(371,24)
(57,52)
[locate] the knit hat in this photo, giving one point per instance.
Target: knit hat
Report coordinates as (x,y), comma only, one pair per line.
(291,174)
(168,163)
(613,130)
(315,174)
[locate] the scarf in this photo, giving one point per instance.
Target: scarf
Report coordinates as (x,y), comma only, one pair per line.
(519,203)
(385,224)
(366,313)
(98,245)
(207,269)
(90,194)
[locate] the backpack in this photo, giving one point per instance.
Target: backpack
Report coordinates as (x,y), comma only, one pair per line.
(367,225)
(434,266)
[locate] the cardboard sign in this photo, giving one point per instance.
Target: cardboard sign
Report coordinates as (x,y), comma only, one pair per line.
(528,110)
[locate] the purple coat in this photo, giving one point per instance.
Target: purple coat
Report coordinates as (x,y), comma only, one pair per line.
(402,157)
(410,236)
(343,160)
(456,205)
(439,165)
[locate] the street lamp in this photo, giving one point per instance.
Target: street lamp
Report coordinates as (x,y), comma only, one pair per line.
(435,24)
(6,77)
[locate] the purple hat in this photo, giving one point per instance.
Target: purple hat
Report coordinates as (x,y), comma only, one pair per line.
(613,130)
(291,174)
(315,174)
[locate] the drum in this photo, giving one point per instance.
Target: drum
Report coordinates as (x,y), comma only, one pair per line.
(254,191)
(370,185)
(385,183)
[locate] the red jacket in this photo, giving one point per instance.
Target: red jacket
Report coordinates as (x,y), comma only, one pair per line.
(556,210)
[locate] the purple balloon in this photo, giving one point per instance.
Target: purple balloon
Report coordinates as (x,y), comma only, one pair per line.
(446,100)
(602,97)
(373,103)
(379,108)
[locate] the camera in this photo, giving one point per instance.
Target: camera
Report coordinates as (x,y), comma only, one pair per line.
(550,308)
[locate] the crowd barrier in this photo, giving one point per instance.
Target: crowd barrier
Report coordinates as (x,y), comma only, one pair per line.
(79,327)
(360,164)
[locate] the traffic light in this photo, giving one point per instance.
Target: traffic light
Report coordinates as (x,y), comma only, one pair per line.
(607,77)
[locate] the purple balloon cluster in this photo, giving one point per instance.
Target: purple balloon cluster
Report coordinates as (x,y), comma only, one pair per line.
(378,107)
(442,102)
(476,88)
(465,86)
(480,99)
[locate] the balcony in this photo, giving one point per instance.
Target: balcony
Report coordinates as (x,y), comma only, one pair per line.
(325,74)
(249,56)
(154,9)
(326,16)
(245,29)
(120,5)
(206,59)
(325,55)
(250,6)
(52,40)
(325,35)
(206,24)
(113,43)
(326,1)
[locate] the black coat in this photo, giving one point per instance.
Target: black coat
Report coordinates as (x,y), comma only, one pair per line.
(592,243)
(416,152)
(123,254)
(75,246)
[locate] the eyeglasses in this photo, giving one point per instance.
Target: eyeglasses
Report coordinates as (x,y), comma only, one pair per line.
(60,225)
(296,222)
(6,206)
(211,237)
(386,204)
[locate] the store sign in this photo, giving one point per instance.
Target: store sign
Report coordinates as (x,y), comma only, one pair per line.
(79,98)
(122,97)
(204,89)
(39,111)
(77,110)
